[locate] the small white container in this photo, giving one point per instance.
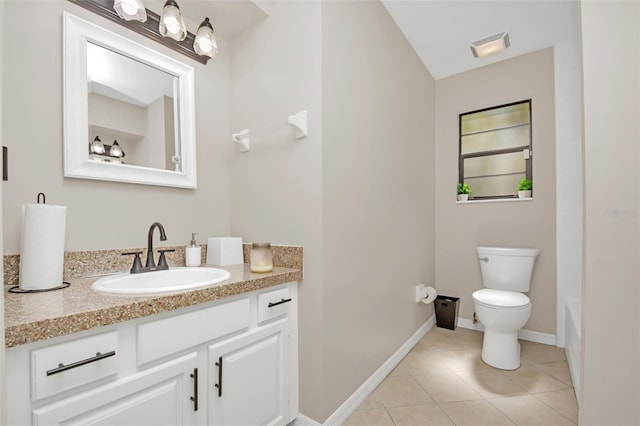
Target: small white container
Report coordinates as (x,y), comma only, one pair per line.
(193,253)
(261,257)
(222,251)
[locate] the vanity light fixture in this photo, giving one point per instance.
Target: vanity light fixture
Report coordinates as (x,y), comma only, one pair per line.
(97,147)
(167,29)
(490,45)
(115,150)
(130,10)
(171,22)
(205,42)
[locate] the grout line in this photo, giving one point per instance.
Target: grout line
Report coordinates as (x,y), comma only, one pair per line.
(534,395)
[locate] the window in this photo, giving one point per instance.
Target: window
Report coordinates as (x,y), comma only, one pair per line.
(495,150)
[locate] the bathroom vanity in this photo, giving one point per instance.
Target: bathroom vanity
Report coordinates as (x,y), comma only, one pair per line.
(218,356)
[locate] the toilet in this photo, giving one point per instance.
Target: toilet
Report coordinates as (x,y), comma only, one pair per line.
(501,306)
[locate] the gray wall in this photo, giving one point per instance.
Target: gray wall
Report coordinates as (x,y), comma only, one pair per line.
(462,227)
(276,187)
(357,193)
(378,192)
(32,105)
(610,324)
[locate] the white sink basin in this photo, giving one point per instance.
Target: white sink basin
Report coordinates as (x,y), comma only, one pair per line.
(170,280)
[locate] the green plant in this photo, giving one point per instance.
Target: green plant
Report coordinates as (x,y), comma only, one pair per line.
(463,188)
(525,185)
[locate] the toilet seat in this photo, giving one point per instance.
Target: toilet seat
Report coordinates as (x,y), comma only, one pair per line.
(501,299)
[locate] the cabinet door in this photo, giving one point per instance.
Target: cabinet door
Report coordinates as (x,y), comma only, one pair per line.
(158,396)
(248,383)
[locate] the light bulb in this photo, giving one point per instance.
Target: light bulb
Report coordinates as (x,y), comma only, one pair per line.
(171,22)
(97,147)
(172,25)
(130,10)
(205,43)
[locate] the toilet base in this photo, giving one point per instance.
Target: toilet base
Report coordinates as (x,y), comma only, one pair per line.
(501,350)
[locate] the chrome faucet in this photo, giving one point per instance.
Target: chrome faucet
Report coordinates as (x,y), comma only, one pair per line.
(150,264)
(163,237)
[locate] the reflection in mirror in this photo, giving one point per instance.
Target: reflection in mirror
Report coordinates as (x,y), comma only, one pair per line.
(129,111)
(131,103)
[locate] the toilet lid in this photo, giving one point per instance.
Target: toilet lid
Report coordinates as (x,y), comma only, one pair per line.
(501,298)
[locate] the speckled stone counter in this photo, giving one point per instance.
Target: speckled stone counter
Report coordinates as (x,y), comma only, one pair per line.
(39,316)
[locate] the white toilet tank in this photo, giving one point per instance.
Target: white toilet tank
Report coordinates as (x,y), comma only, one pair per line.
(507,268)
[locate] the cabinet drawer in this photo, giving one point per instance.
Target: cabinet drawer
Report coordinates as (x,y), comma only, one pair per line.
(68,365)
(173,334)
(273,304)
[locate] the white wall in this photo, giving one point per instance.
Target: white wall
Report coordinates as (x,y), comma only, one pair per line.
(569,202)
(460,228)
(32,105)
(610,383)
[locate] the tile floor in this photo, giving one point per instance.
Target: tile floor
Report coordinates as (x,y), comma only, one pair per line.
(443,381)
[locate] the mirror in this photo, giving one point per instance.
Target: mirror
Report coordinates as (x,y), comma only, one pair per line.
(129,112)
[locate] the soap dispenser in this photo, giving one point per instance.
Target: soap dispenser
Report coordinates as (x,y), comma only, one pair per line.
(193,253)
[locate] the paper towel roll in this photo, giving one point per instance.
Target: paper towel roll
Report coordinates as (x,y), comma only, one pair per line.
(430,295)
(42,246)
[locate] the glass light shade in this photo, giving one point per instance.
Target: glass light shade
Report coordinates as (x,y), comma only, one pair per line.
(115,150)
(171,22)
(205,41)
(130,10)
(97,147)
(490,45)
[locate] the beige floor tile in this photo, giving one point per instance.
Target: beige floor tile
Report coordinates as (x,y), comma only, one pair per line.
(491,383)
(563,401)
(375,417)
(419,415)
(468,338)
(538,353)
(426,362)
(559,370)
(402,369)
(401,390)
(447,387)
(436,341)
(475,413)
(372,401)
(534,380)
(527,410)
(464,359)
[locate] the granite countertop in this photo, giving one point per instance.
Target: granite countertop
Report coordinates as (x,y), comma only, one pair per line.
(39,316)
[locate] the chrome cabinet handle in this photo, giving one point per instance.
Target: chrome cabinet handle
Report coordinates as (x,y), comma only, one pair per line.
(61,367)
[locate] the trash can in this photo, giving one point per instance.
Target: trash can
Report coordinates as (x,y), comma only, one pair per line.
(447,312)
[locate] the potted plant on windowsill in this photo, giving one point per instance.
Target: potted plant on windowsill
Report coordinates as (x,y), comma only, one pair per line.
(524,188)
(463,192)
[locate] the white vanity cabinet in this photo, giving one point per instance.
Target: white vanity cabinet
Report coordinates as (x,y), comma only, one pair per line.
(157,396)
(229,362)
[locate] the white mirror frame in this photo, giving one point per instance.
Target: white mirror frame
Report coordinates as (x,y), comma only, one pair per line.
(77,33)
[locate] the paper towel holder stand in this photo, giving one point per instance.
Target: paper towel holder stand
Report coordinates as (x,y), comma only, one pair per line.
(17,289)
(65,284)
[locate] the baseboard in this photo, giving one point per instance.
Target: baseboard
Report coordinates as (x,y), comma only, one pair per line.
(531,336)
(357,398)
(303,420)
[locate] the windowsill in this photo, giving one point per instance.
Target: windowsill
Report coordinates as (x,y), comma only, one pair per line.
(496,200)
